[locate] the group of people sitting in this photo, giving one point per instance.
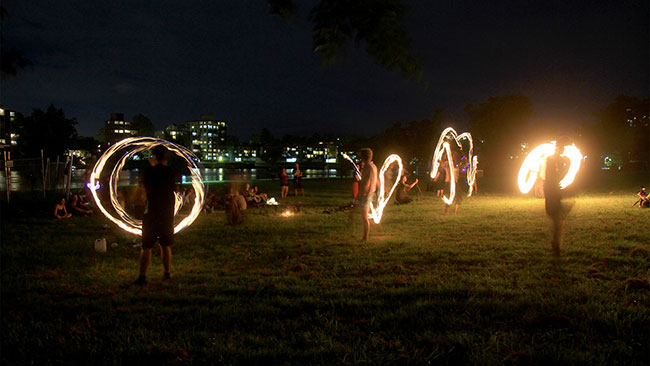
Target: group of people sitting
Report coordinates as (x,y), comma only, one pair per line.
(79,206)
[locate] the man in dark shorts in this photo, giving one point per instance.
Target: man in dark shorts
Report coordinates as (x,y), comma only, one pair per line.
(158,222)
(553,173)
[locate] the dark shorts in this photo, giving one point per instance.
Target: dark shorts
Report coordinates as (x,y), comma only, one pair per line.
(297,184)
(157,228)
(284,185)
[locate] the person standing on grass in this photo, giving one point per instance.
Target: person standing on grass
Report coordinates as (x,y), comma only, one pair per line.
(367,188)
(553,173)
(284,183)
(297,180)
(158,222)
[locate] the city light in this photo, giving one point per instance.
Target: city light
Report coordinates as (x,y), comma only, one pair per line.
(135,145)
(534,163)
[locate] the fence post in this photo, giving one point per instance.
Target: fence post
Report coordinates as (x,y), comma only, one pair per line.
(43,171)
(47,172)
(56,179)
(67,192)
(7,174)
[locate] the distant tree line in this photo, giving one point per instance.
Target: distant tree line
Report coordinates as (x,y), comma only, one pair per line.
(499,126)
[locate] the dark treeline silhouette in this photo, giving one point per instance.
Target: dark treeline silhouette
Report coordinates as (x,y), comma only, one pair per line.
(501,126)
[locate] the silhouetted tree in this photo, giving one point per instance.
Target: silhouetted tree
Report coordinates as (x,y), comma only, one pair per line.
(498,127)
(622,128)
(49,130)
(376,24)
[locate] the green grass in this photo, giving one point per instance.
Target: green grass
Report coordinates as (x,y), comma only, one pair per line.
(477,288)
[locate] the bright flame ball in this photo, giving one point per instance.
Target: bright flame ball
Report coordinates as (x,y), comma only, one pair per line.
(532,166)
(136,145)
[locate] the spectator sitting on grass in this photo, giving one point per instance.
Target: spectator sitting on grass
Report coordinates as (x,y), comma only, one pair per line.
(257,196)
(403,189)
(60,212)
(644,199)
(78,207)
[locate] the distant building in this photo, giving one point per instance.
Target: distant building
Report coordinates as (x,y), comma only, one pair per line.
(7,127)
(208,138)
(177,133)
(117,129)
(244,153)
(321,152)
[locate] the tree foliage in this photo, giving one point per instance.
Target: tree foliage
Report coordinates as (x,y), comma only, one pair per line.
(499,126)
(49,130)
(622,127)
(413,141)
(378,25)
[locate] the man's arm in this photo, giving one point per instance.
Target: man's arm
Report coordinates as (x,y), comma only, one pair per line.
(410,186)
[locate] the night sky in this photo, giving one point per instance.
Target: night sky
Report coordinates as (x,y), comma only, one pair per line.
(175,60)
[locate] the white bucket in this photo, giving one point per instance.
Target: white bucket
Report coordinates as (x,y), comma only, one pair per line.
(100,245)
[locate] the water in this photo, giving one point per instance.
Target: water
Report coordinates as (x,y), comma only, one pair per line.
(24,181)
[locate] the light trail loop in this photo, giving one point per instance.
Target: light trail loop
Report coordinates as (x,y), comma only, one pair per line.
(444,147)
(134,146)
(382,199)
(532,166)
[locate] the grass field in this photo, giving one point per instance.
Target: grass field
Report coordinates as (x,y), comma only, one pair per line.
(477,288)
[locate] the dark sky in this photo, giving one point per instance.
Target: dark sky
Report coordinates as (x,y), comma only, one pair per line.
(175,60)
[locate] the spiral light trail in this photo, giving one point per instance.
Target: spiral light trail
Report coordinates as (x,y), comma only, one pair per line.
(135,145)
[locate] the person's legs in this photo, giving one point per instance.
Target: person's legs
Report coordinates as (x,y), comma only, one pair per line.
(558,229)
(303,191)
(456,210)
(145,259)
(446,209)
(366,222)
(166,256)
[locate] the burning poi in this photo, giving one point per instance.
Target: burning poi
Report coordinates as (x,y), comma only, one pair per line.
(134,146)
(444,147)
(534,163)
(382,199)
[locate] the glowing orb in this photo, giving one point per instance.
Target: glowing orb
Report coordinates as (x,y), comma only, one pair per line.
(382,199)
(356,167)
(444,147)
(136,145)
(534,163)
(93,188)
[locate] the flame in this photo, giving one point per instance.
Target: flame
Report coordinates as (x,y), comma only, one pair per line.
(534,163)
(138,144)
(382,199)
(444,147)
(356,167)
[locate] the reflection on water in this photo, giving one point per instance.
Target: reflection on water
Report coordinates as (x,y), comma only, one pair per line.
(23,181)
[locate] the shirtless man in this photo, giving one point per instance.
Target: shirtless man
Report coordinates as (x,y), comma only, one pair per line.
(367,188)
